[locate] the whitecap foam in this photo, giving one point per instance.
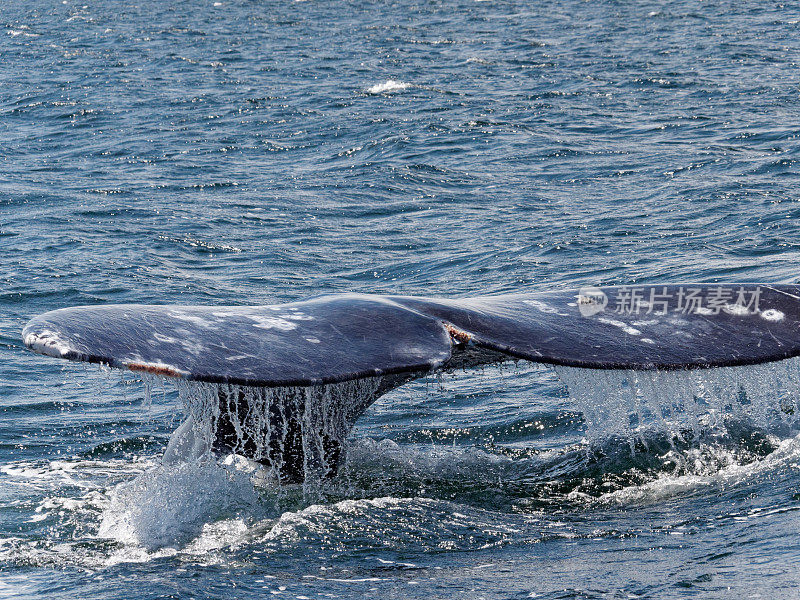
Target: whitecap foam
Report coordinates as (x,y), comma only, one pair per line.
(390,86)
(713,468)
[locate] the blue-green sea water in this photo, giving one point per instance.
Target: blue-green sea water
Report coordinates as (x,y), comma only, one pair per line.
(240,152)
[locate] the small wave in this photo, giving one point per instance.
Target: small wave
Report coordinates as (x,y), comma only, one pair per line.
(202,246)
(390,86)
(713,469)
(442,460)
(22,30)
(480,61)
(414,524)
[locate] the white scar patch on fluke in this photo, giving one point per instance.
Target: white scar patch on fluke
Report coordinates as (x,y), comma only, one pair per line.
(623,326)
(48,342)
(772,315)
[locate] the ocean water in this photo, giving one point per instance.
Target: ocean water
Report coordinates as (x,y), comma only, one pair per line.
(239,152)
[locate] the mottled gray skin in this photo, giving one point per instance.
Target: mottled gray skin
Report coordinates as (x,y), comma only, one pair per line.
(346,337)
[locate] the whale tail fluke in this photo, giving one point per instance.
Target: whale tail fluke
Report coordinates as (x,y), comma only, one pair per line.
(314,366)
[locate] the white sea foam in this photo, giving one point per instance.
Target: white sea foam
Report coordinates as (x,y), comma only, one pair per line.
(390,86)
(717,469)
(23,30)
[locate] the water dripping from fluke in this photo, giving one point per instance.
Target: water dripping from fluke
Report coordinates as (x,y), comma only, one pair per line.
(297,434)
(688,404)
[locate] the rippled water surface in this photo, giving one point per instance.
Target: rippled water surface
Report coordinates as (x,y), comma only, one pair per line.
(252,152)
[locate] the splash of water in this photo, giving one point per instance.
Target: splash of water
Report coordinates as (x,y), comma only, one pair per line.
(168,506)
(267,435)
